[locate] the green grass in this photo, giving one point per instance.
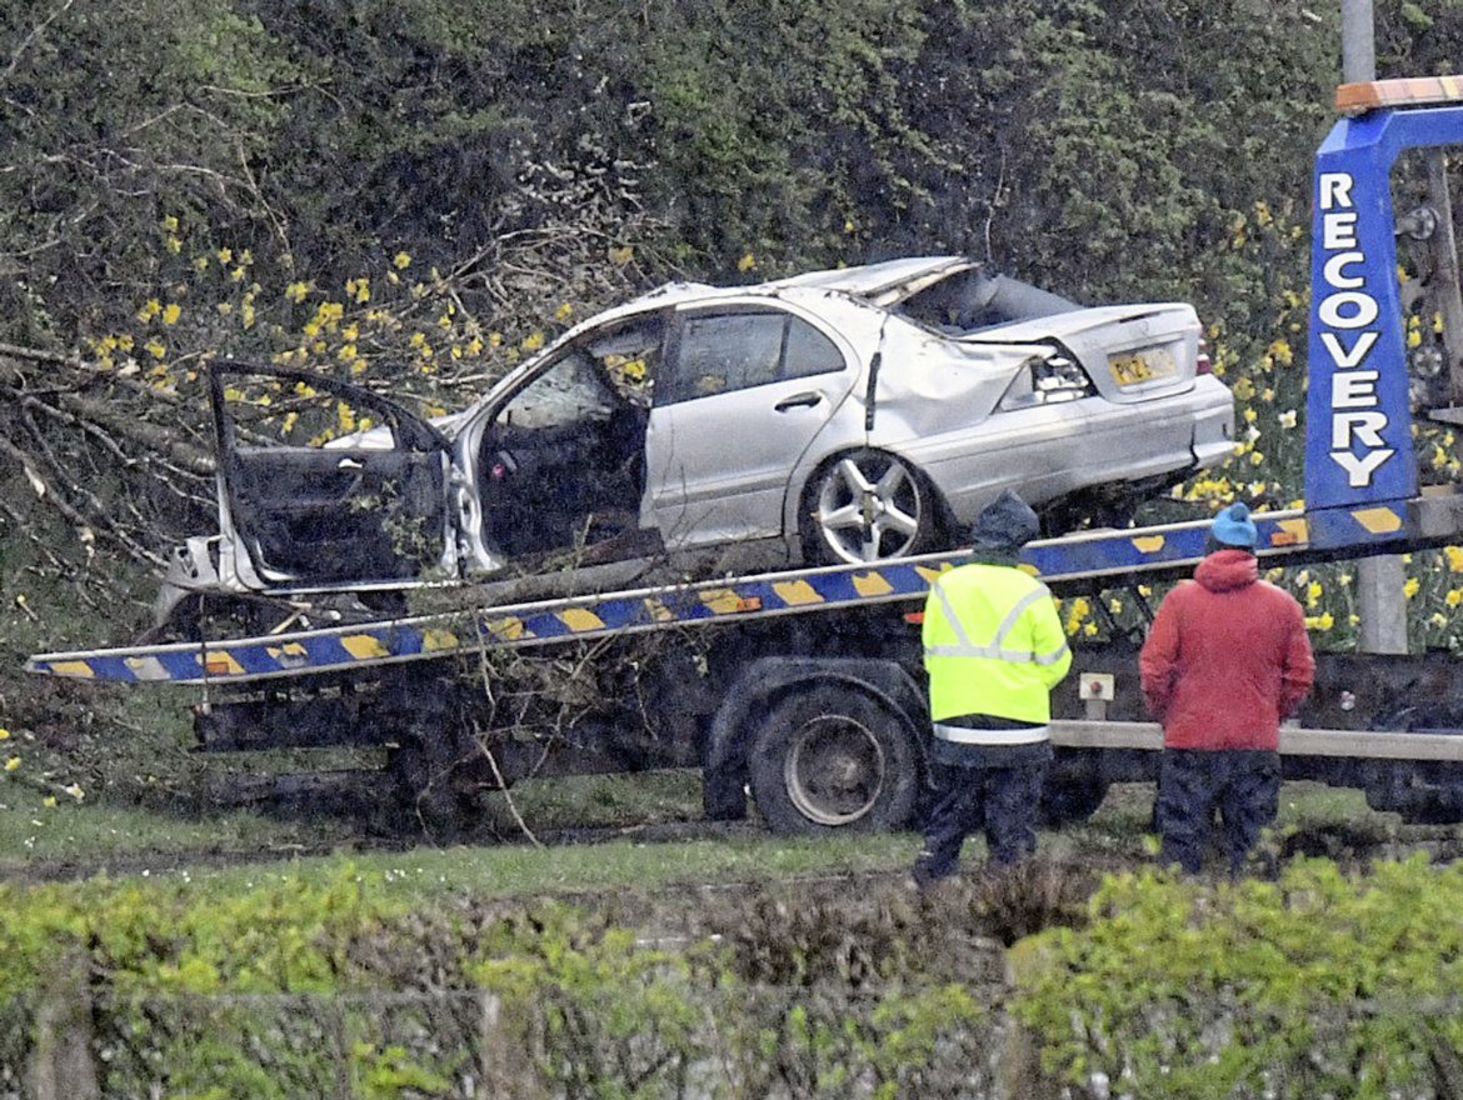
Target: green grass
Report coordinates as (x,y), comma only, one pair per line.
(600,801)
(168,848)
(89,834)
(519,870)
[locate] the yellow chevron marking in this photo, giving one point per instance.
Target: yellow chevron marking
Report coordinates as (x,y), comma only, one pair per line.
(725,601)
(579,619)
(1149,544)
(796,593)
(871,584)
(932,575)
(509,629)
(434,641)
(363,646)
(1292,532)
(1378,521)
(72,668)
(658,611)
(220,664)
(290,655)
(147,668)
(1029,569)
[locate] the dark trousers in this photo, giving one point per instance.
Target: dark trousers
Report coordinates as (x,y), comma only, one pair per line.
(1243,785)
(1002,800)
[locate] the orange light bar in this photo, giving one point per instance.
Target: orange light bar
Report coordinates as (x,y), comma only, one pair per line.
(915,618)
(1416,91)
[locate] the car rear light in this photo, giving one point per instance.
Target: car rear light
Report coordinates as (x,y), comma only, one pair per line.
(1202,363)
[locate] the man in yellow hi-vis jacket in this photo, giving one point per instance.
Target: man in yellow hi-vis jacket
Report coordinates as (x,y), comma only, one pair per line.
(994,649)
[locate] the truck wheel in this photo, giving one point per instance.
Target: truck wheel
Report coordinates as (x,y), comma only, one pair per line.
(1069,801)
(833,757)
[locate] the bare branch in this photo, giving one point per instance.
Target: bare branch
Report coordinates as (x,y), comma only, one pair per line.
(29,39)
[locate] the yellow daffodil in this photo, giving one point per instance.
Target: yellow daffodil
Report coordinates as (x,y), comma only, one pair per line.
(1410,587)
(12,764)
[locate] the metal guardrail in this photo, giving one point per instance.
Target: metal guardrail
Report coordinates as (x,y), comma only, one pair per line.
(1367,744)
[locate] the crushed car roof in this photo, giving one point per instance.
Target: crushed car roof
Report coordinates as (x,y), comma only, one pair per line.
(865,281)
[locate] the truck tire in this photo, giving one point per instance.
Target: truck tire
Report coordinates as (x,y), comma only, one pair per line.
(829,757)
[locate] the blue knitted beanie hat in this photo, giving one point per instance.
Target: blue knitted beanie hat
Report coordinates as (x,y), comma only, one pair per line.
(1233,527)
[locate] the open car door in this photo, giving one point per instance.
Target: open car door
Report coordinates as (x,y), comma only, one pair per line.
(323,482)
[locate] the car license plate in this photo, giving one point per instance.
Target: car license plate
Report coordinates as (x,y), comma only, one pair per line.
(1133,368)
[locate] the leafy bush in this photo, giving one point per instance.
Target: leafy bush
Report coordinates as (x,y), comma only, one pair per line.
(334,988)
(1315,985)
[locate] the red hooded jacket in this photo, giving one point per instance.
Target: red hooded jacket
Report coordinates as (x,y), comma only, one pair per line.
(1227,659)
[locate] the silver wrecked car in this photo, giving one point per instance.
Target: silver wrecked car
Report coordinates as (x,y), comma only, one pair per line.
(839,416)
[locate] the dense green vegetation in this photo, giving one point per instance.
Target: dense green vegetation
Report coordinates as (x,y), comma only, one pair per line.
(1316,985)
(357,982)
(1105,149)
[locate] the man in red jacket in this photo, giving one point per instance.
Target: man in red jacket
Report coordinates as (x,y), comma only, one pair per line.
(1226,662)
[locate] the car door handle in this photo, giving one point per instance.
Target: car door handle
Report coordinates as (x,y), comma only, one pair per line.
(798,401)
(349,464)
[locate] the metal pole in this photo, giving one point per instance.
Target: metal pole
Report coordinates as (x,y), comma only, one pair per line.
(1380,600)
(1358,42)
(1445,272)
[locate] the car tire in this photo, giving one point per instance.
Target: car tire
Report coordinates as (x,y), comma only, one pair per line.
(868,506)
(830,757)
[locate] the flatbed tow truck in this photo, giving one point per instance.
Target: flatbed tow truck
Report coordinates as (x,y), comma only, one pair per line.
(803,689)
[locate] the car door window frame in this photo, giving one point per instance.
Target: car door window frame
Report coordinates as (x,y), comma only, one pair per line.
(674,389)
(408,433)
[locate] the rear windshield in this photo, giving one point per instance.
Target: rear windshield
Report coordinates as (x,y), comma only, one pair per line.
(970,300)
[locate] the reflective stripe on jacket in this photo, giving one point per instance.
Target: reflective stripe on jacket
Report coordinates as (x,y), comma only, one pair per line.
(993,645)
